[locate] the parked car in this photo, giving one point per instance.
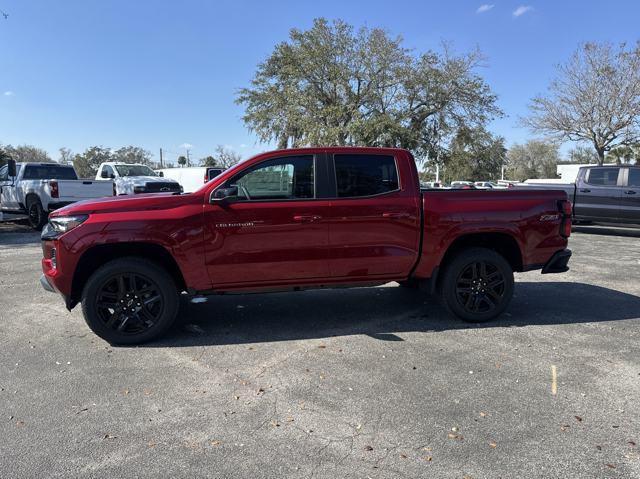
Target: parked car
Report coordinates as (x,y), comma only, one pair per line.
(191,178)
(605,194)
(431,184)
(298,219)
(488,185)
(135,178)
(36,189)
(507,183)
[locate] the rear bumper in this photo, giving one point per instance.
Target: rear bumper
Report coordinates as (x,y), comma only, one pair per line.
(558,262)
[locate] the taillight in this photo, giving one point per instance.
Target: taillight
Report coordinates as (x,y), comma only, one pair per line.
(565,225)
(53,185)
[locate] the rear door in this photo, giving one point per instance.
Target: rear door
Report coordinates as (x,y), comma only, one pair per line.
(274,231)
(374,223)
(598,196)
(630,199)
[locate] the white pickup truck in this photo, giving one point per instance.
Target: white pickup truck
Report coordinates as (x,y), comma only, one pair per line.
(131,179)
(36,189)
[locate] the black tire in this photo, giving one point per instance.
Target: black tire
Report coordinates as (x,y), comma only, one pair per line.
(37,216)
(410,283)
(130,301)
(473,292)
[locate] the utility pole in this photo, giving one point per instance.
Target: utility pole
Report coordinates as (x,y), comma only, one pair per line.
(161,166)
(187,157)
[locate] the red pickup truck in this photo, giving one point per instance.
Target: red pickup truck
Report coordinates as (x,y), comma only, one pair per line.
(297,219)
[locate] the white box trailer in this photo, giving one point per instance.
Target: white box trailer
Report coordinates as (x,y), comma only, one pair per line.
(191,178)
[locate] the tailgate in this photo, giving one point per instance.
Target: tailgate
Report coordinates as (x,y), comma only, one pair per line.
(76,190)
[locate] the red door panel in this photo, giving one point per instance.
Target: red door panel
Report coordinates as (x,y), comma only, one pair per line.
(266,242)
(373,237)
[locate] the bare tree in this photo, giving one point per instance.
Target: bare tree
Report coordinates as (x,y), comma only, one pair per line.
(66,156)
(225,157)
(595,98)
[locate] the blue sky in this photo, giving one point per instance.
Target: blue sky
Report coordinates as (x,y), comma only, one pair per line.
(162,74)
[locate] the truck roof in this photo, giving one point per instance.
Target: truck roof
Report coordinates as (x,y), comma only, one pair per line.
(52,163)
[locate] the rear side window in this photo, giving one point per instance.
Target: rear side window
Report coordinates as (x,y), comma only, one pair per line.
(603,176)
(49,172)
(634,177)
(365,175)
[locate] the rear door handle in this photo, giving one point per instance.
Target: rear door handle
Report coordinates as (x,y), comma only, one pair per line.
(306,218)
(630,192)
(585,190)
(396,216)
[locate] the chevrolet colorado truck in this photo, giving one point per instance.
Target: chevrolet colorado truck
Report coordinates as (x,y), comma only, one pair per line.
(36,189)
(297,219)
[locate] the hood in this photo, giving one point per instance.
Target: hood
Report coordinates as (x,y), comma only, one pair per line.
(116,204)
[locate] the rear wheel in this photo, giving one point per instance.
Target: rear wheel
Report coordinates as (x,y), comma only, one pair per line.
(130,301)
(37,216)
(477,285)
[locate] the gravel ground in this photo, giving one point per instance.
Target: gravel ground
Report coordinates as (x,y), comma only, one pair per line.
(370,382)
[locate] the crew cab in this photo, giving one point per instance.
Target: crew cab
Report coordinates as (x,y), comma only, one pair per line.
(297,219)
(36,189)
(602,194)
(135,178)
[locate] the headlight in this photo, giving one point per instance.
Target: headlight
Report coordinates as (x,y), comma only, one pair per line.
(61,224)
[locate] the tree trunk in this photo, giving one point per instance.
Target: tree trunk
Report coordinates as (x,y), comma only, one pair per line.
(600,151)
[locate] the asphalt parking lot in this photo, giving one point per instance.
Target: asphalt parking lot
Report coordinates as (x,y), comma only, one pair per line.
(371,382)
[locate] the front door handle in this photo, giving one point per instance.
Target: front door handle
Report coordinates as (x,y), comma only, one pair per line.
(630,192)
(585,190)
(306,218)
(396,216)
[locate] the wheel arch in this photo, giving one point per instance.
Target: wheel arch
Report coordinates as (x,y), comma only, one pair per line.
(500,242)
(101,254)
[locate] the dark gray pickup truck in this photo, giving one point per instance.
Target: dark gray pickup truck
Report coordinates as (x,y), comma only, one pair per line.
(606,194)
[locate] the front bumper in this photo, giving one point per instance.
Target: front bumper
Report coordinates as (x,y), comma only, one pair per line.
(44,282)
(558,262)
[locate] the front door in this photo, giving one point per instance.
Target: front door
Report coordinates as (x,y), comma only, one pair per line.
(630,200)
(8,190)
(273,230)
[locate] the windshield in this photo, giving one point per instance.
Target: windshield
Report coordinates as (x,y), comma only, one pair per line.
(134,170)
(49,172)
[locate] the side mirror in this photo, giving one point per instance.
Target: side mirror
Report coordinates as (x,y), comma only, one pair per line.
(161,174)
(11,168)
(112,176)
(221,195)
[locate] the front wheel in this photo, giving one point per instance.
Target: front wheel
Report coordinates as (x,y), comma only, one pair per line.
(130,301)
(477,285)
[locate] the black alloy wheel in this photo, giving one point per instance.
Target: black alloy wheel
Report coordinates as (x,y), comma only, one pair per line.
(476,284)
(480,287)
(129,303)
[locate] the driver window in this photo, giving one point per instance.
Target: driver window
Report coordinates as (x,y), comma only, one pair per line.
(279,179)
(107,171)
